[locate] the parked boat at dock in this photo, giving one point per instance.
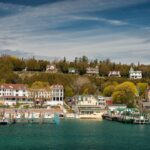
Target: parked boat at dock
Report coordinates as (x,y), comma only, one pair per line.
(3,121)
(132,116)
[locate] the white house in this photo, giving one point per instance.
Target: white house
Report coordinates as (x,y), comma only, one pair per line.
(135,74)
(51,69)
(57,95)
(10,94)
(92,71)
(114,74)
(101,102)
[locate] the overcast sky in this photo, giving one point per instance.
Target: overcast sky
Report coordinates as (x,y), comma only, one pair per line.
(115,29)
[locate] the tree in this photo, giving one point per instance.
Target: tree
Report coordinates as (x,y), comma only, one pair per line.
(68,91)
(32,65)
(104,70)
(142,89)
(108,91)
(125,93)
(78,84)
(88,88)
(40,85)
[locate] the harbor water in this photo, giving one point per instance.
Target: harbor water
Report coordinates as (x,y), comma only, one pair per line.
(75,135)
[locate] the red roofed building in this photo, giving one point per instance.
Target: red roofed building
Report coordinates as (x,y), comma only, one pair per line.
(10,94)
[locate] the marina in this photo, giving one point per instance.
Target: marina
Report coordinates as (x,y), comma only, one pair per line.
(12,116)
(127,115)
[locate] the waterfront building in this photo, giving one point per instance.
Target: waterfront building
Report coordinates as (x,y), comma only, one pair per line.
(146,102)
(51,69)
(135,74)
(92,71)
(10,94)
(108,101)
(101,102)
(50,96)
(114,74)
(148,94)
(57,95)
(146,105)
(86,104)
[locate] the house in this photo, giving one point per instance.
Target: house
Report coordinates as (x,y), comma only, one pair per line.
(148,94)
(51,96)
(146,105)
(39,96)
(92,71)
(10,94)
(51,69)
(57,95)
(135,74)
(86,104)
(114,74)
(72,70)
(102,102)
(146,102)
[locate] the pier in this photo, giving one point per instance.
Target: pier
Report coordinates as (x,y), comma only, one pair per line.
(30,115)
(132,116)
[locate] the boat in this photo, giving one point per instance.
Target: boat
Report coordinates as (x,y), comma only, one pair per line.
(3,122)
(140,120)
(107,117)
(61,116)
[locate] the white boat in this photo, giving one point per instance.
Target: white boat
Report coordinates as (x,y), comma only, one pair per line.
(18,116)
(48,116)
(141,120)
(4,121)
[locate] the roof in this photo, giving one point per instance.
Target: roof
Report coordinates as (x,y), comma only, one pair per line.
(118,105)
(13,86)
(13,97)
(71,68)
(131,69)
(57,86)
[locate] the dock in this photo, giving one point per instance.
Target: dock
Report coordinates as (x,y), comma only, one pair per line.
(132,116)
(30,115)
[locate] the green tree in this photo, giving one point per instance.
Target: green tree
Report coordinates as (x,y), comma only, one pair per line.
(125,93)
(108,91)
(68,91)
(142,89)
(40,85)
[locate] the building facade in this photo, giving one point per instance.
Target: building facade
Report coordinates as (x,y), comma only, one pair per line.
(51,96)
(51,69)
(135,74)
(57,95)
(92,71)
(86,104)
(114,74)
(10,94)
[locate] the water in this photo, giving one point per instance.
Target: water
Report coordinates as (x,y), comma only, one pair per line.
(75,135)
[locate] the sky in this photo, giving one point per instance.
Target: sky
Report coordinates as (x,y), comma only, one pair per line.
(99,29)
